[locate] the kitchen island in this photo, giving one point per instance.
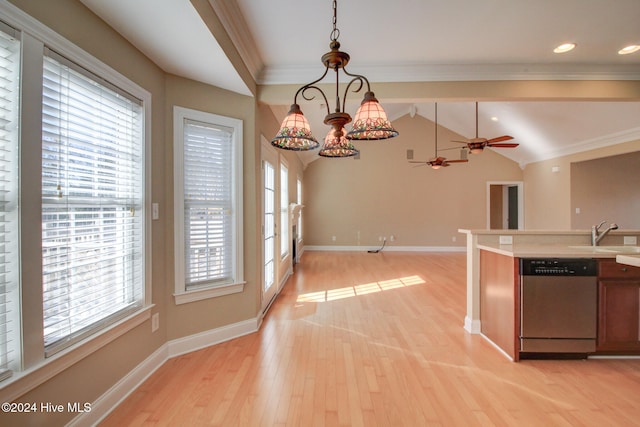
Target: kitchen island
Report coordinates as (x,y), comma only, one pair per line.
(493,257)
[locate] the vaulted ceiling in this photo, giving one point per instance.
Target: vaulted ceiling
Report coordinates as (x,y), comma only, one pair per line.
(281,41)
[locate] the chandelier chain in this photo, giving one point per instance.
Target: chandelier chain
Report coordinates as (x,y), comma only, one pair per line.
(336,32)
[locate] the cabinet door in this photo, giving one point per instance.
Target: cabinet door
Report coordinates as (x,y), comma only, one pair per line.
(619,319)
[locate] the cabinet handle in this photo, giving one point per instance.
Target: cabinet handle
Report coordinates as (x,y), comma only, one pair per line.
(624,269)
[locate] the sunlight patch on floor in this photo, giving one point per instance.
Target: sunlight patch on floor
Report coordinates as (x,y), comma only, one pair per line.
(356,290)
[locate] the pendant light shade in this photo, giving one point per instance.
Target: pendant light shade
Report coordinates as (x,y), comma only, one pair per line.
(371,121)
(337,146)
(295,132)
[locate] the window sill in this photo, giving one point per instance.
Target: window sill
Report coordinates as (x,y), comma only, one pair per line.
(201,294)
(25,381)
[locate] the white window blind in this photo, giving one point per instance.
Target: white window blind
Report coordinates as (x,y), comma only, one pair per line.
(92,203)
(9,251)
(284,210)
(208,204)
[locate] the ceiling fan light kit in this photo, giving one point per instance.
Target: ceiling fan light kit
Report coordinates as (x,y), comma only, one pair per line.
(476,145)
(371,122)
(438,162)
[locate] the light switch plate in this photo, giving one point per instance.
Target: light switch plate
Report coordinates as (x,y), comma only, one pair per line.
(155,322)
(506,240)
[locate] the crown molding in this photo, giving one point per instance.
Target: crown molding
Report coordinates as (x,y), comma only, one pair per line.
(580,147)
(236,27)
(460,72)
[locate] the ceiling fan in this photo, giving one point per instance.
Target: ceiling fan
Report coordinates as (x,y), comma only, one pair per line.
(438,161)
(476,145)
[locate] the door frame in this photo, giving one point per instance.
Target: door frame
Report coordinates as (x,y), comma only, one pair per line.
(520,186)
(286,261)
(269,154)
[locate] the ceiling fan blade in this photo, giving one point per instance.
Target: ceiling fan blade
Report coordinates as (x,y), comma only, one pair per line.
(507,145)
(417,161)
(458,161)
(500,139)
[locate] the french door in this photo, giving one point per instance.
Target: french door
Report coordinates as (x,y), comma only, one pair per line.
(270,211)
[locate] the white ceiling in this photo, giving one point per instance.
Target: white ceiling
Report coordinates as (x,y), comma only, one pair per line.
(281,41)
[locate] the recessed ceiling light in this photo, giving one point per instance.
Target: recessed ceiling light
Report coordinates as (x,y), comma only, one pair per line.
(566,47)
(629,49)
(494,119)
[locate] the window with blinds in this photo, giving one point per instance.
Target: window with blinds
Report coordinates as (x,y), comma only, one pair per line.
(9,225)
(92,203)
(208,204)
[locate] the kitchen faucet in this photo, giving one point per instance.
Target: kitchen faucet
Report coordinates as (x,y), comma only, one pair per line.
(596,235)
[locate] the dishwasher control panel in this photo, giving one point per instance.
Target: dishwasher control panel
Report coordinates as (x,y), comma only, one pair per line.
(558,267)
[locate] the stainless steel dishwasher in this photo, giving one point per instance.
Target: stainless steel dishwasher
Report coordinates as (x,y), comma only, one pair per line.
(558,306)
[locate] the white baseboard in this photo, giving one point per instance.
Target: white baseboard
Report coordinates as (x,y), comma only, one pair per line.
(195,342)
(472,326)
(388,248)
(121,390)
(106,403)
(284,278)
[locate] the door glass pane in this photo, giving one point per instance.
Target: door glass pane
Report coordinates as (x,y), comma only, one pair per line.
(269,224)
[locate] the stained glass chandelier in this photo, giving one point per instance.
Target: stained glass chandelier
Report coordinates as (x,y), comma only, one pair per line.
(370,122)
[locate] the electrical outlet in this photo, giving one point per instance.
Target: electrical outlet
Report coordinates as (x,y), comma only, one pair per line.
(155,211)
(155,322)
(630,240)
(333,238)
(506,240)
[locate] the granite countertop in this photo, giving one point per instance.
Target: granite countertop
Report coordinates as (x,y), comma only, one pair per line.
(554,251)
(543,232)
(633,260)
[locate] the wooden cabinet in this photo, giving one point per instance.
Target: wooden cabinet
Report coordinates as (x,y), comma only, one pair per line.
(619,308)
(499,298)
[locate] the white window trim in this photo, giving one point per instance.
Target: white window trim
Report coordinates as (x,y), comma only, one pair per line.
(299,201)
(34,374)
(181,295)
(283,255)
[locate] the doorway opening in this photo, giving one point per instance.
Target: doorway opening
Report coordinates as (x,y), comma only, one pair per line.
(505,205)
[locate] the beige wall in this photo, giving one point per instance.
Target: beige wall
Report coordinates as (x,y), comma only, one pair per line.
(607,188)
(381,194)
(548,194)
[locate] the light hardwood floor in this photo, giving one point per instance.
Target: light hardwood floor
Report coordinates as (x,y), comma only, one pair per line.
(358,339)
